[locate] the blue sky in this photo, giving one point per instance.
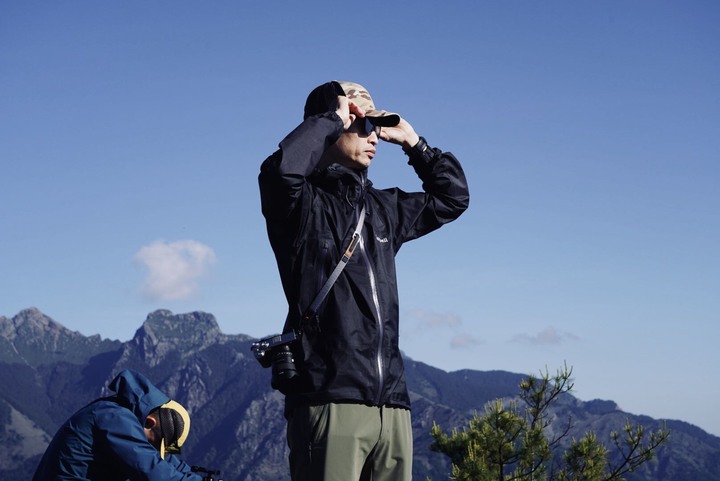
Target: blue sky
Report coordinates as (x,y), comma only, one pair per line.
(131,135)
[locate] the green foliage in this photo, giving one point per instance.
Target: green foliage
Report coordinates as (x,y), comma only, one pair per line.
(512,444)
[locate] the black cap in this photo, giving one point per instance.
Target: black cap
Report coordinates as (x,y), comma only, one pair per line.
(323,99)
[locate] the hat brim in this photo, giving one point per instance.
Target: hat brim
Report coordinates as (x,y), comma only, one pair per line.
(383,118)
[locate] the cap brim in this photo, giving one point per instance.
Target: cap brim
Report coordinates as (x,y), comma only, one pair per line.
(383,118)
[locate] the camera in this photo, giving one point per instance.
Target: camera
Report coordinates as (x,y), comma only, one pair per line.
(276,351)
(208,473)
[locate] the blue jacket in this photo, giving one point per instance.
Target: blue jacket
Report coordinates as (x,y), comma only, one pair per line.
(105,440)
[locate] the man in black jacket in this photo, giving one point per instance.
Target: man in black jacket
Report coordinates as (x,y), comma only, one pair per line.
(348,409)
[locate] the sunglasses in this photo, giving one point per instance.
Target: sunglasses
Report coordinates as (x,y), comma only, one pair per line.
(368,127)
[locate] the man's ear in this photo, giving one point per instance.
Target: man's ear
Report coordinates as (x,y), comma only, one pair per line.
(150,422)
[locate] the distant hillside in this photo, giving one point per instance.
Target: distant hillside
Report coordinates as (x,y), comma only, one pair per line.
(50,371)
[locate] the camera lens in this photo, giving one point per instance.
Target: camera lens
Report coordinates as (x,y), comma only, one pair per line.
(283,368)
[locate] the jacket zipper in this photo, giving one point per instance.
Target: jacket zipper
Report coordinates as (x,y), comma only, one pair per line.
(375,296)
(381,330)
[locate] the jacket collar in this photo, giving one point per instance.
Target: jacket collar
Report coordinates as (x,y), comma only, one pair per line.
(346,183)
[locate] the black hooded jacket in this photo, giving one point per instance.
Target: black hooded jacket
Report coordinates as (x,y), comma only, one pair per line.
(349,352)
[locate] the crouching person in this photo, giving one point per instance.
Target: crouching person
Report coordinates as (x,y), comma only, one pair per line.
(130,435)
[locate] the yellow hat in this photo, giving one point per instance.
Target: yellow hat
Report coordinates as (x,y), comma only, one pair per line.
(174,427)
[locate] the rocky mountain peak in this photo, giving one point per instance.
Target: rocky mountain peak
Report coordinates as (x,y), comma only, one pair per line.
(31,323)
(164,332)
(33,338)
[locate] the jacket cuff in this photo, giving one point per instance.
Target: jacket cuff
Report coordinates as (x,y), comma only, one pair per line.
(419,150)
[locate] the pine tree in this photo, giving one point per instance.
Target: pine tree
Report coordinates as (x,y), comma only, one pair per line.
(512,444)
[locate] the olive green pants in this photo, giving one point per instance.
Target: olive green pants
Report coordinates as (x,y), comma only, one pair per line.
(350,442)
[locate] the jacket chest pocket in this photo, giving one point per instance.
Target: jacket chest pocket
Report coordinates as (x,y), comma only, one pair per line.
(319,252)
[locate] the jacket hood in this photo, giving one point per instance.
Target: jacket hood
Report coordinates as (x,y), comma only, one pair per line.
(135,392)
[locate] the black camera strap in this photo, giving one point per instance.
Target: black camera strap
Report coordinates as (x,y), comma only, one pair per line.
(322,294)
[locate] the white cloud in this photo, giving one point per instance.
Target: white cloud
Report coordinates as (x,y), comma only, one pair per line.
(174,268)
(434,320)
(548,336)
(437,324)
(465,341)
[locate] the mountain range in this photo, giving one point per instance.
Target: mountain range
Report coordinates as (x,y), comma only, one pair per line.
(48,372)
